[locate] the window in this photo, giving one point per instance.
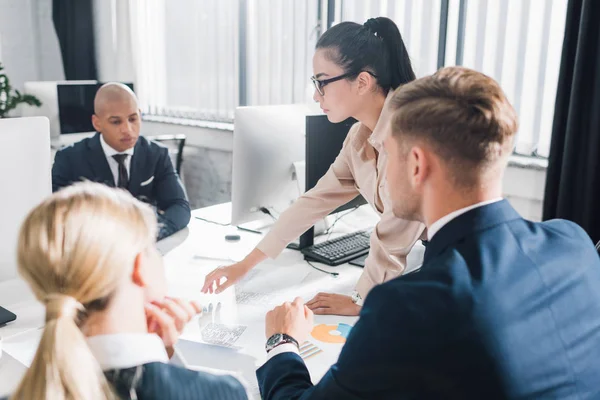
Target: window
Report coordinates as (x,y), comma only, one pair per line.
(219,54)
(417,20)
(518,43)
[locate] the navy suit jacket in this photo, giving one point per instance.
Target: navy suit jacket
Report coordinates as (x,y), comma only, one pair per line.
(158,381)
(152,177)
(503,308)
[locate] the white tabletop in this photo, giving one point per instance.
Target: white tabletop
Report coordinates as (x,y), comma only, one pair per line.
(189,255)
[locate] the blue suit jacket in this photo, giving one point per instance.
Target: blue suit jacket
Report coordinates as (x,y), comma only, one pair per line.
(159,381)
(502,308)
(150,166)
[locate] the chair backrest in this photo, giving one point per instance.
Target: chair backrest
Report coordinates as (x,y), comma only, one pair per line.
(175,143)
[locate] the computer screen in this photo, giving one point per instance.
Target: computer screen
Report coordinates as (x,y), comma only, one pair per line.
(76,106)
(267,142)
(25,183)
(324,142)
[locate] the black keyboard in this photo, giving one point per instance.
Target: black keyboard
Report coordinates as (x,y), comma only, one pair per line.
(339,250)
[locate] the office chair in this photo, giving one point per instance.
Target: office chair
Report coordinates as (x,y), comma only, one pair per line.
(175,143)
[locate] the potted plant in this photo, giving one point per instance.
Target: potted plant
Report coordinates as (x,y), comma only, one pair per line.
(10,99)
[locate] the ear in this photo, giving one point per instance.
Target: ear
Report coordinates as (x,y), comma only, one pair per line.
(96,123)
(138,275)
(419,166)
(365,82)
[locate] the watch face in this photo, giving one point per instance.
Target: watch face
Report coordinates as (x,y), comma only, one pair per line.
(274,339)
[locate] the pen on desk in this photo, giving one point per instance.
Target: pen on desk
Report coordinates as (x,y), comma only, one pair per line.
(249,230)
(201,257)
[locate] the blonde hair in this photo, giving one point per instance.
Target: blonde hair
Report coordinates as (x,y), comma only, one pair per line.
(74,250)
(462,114)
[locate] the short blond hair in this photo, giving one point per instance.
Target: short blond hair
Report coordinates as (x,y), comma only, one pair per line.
(462,114)
(74,250)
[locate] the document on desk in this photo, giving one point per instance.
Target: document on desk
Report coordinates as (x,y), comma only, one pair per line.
(222,335)
(251,298)
(215,326)
(23,347)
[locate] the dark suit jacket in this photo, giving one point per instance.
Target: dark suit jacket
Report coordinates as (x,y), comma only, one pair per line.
(502,308)
(158,381)
(152,177)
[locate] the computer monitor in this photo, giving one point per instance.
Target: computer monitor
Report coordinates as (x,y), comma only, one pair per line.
(69,105)
(324,141)
(267,142)
(26,180)
(76,106)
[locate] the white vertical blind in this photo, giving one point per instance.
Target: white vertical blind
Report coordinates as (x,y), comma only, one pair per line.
(417,20)
(281,38)
(518,43)
(187,52)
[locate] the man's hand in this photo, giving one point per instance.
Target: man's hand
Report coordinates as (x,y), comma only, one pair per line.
(333,304)
(293,319)
(168,319)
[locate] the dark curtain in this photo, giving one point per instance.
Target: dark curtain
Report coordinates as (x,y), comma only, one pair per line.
(573,181)
(74,25)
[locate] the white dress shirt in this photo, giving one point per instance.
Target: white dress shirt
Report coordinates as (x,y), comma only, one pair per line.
(109,152)
(127,350)
(440,223)
(432,230)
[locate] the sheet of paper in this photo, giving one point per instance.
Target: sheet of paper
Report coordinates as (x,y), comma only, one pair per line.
(23,347)
(254,299)
(222,335)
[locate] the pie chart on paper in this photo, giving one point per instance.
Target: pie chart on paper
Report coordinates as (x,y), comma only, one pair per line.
(331,333)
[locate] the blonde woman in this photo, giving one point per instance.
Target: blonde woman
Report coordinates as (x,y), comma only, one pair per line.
(88,254)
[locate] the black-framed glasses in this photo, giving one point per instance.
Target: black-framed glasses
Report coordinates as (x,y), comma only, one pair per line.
(320,84)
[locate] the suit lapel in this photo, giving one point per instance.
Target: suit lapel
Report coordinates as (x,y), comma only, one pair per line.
(473,221)
(98,162)
(136,168)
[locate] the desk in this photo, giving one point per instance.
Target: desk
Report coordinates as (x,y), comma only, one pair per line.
(189,255)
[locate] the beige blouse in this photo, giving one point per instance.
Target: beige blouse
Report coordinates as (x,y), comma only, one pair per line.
(359,168)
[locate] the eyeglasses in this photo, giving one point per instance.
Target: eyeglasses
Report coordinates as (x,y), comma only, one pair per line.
(320,84)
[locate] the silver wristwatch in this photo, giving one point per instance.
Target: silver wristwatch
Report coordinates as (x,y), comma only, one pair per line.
(279,339)
(356,298)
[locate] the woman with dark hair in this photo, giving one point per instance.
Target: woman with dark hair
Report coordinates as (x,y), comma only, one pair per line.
(356,68)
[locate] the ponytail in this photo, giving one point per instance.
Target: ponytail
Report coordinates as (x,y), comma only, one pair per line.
(63,368)
(376,47)
(401,71)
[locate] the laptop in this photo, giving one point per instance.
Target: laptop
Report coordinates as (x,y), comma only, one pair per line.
(6,316)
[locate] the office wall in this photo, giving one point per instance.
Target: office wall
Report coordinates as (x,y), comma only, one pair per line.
(208,158)
(28,45)
(524,188)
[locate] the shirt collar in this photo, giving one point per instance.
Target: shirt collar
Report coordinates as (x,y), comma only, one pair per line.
(381,128)
(127,350)
(109,151)
(439,224)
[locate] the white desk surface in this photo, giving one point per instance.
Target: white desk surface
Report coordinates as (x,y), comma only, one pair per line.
(189,255)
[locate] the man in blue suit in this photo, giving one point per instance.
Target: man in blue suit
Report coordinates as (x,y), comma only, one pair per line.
(502,307)
(119,157)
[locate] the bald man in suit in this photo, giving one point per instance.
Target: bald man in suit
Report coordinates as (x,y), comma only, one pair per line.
(119,157)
